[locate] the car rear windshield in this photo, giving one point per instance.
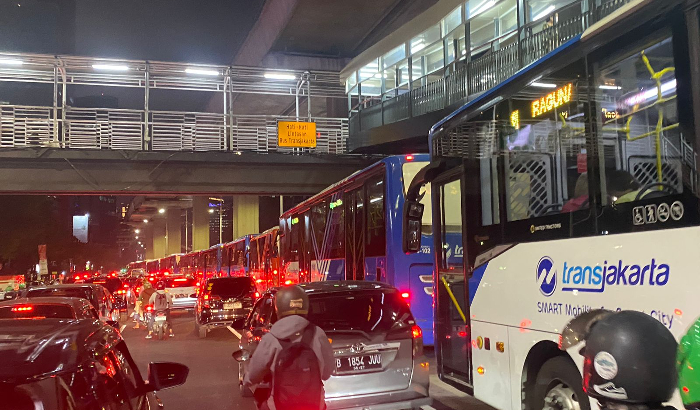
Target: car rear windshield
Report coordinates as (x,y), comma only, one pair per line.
(54,311)
(84,293)
(180,283)
(230,287)
(112,284)
(369,311)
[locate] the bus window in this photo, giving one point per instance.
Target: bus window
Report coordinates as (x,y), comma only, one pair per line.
(410,169)
(545,143)
(376,230)
(638,122)
(451,230)
(336,234)
(319,217)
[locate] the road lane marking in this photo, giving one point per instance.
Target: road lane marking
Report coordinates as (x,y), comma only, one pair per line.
(426,407)
(238,335)
(121,329)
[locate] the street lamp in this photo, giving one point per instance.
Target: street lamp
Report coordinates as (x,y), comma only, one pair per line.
(137,231)
(221,217)
(161,211)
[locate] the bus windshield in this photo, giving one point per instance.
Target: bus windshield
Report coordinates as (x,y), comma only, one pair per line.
(410,169)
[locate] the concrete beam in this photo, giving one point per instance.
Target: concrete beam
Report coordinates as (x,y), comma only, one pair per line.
(159,240)
(273,19)
(56,171)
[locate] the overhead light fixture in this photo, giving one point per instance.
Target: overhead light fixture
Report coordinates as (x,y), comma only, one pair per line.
(145,221)
(651,93)
(280,76)
(161,211)
(201,71)
(110,67)
(10,61)
(137,237)
(544,12)
(482,8)
(137,231)
(211,210)
(543,85)
(609,87)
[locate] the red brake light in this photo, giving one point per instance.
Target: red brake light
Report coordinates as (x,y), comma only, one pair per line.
(416,332)
(257,294)
(287,282)
(258,281)
(86,276)
(409,157)
(23,308)
(150,279)
(126,286)
(166,273)
(275,271)
(406,295)
(180,280)
(149,308)
(206,297)
(77,277)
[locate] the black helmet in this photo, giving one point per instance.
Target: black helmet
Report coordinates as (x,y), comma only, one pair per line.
(291,300)
(629,358)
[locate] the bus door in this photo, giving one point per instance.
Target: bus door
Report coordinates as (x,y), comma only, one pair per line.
(452,330)
(354,234)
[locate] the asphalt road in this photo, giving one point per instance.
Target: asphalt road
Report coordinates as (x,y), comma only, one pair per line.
(213,380)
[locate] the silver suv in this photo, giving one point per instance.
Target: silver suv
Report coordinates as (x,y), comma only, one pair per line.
(377,345)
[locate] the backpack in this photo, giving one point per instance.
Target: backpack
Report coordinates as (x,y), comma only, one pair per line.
(296,383)
(161,302)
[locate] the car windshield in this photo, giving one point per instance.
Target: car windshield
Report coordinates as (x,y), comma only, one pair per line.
(230,287)
(84,293)
(180,283)
(54,311)
(369,311)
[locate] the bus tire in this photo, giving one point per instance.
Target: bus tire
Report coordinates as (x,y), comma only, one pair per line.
(558,386)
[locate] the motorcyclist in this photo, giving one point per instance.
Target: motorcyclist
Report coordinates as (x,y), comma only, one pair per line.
(142,301)
(161,300)
(629,358)
(292,306)
(688,366)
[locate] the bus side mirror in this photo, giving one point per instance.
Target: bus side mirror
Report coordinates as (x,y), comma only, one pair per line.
(412,223)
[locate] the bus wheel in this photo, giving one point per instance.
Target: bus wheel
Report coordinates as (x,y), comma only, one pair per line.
(558,387)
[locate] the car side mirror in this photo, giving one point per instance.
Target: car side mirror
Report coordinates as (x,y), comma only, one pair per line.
(241,355)
(162,375)
(113,323)
(412,225)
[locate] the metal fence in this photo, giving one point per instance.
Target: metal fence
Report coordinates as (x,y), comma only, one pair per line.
(477,75)
(122,129)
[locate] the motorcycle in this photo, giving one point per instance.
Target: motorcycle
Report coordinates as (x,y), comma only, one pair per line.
(160,324)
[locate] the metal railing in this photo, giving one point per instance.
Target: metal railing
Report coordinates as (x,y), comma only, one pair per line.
(123,129)
(478,75)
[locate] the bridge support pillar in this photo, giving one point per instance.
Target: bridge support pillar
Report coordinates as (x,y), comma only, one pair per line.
(147,241)
(159,238)
(173,231)
(200,223)
(246,215)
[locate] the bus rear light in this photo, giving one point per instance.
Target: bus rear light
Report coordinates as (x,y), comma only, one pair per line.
(410,157)
(406,295)
(480,370)
(500,347)
(462,334)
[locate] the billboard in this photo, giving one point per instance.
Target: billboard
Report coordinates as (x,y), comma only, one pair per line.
(80,227)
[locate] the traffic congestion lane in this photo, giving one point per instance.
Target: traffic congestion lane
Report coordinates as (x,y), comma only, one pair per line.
(213,379)
(213,383)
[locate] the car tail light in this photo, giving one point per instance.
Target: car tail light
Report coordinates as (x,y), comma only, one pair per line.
(23,308)
(287,282)
(149,308)
(406,295)
(77,277)
(257,294)
(417,335)
(121,292)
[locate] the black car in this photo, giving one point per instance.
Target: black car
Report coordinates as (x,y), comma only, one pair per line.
(77,364)
(48,307)
(117,287)
(97,295)
(223,302)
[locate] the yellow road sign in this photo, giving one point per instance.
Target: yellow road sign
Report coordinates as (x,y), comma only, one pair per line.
(296,134)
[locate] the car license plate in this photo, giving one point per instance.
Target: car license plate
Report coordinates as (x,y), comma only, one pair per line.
(234,305)
(357,363)
(160,318)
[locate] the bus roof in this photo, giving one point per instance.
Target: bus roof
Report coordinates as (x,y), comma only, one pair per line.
(353,177)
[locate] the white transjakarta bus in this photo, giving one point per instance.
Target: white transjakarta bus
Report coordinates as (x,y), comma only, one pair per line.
(570,186)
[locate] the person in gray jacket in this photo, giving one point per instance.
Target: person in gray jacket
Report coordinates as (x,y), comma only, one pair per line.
(292,306)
